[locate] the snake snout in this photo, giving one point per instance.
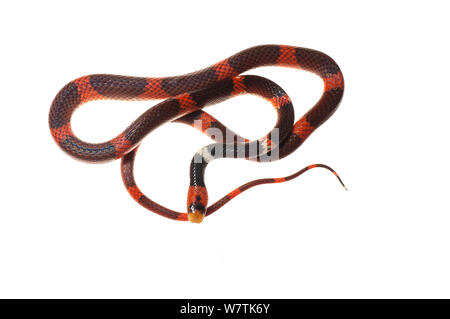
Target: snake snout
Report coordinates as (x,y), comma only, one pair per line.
(196,213)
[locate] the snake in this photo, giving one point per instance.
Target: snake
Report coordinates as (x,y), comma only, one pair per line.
(184,98)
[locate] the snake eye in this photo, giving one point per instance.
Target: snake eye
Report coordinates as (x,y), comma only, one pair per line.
(196,213)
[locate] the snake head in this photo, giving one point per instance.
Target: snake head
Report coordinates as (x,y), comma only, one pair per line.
(196,213)
(196,203)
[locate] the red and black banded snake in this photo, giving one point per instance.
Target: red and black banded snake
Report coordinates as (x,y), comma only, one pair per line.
(186,96)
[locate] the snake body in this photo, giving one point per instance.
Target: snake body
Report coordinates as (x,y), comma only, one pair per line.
(185,97)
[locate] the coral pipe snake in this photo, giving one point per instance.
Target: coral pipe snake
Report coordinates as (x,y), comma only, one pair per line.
(185,96)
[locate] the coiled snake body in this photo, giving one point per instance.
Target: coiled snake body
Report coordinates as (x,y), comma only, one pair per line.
(185,96)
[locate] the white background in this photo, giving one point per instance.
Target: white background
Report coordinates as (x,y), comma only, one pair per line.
(69,229)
